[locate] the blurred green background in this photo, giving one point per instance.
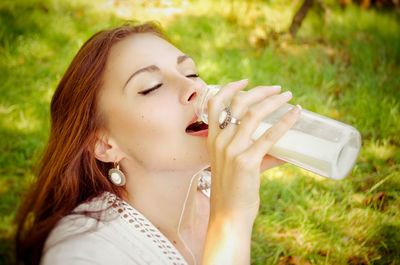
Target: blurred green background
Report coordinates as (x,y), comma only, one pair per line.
(344,63)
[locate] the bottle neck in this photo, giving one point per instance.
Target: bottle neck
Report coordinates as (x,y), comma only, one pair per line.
(201,106)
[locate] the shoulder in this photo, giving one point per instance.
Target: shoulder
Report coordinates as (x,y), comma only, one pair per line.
(88,236)
(107,230)
(84,248)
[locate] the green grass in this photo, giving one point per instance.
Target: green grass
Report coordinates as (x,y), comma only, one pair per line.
(345,65)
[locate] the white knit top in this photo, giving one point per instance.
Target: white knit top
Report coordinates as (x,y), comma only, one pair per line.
(116,234)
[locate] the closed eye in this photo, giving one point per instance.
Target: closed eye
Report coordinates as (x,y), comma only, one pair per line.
(147,91)
(193,76)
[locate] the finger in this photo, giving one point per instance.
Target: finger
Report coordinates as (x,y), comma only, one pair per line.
(242,101)
(217,103)
(263,144)
(240,104)
(254,116)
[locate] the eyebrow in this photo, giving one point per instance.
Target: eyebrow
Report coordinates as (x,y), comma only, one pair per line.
(181,58)
(153,68)
(150,68)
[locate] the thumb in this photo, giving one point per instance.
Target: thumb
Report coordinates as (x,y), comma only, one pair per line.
(269,162)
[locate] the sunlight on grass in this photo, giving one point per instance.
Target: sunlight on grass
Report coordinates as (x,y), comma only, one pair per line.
(380,150)
(208,66)
(4,109)
(343,64)
(22,121)
(35,48)
(287,172)
(128,10)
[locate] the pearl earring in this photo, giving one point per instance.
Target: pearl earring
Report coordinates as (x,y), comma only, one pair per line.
(116,176)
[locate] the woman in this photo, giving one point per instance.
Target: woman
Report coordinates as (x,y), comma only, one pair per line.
(115,181)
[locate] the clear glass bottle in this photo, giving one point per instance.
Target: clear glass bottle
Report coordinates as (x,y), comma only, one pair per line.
(316,143)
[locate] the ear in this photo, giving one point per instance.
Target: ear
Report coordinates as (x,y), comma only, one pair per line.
(106,149)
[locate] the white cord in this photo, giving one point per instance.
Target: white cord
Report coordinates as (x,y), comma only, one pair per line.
(180,218)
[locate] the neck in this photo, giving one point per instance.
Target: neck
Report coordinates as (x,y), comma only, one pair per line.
(161,197)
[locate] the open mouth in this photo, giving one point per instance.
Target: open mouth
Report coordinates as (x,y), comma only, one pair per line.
(196,127)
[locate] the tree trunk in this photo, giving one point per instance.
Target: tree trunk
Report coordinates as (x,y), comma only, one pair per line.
(299,17)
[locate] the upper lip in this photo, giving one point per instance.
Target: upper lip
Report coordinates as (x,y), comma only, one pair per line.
(193,120)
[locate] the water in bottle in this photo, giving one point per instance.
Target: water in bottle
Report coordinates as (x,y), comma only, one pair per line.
(316,143)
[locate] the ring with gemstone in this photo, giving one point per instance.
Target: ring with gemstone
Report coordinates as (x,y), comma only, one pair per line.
(226,117)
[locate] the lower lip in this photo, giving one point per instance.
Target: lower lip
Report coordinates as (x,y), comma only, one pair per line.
(203,133)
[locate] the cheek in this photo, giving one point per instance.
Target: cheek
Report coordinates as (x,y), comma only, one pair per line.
(147,135)
(153,135)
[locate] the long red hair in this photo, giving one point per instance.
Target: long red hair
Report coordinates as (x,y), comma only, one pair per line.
(69,173)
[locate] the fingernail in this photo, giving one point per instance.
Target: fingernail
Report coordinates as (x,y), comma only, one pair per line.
(287,94)
(276,88)
(243,80)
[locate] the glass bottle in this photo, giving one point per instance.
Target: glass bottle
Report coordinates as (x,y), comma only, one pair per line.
(316,143)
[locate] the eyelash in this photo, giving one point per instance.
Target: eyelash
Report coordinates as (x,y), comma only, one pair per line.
(159,85)
(150,89)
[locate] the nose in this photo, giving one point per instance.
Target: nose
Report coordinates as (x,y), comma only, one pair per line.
(190,93)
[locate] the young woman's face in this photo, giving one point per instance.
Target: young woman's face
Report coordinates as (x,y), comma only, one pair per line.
(147,99)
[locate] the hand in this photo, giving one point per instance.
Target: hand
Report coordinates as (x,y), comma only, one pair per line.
(236,159)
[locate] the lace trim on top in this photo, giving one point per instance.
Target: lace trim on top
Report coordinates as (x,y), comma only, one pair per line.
(140,223)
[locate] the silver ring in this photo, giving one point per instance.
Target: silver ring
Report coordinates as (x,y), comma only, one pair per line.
(225,117)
